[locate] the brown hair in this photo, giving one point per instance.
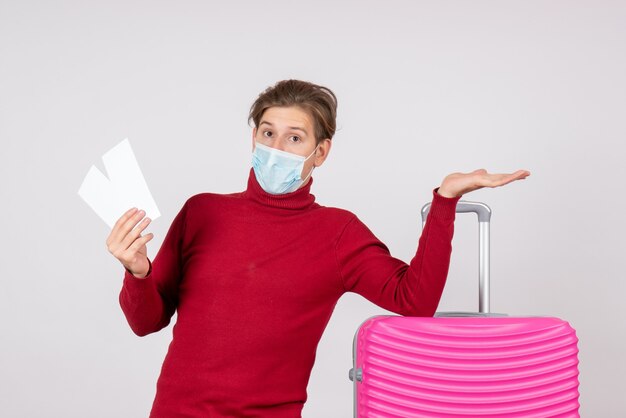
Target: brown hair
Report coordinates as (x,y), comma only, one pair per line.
(318,101)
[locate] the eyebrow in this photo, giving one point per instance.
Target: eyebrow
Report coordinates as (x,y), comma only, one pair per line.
(295,128)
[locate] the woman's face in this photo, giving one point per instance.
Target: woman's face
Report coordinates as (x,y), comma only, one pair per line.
(290,129)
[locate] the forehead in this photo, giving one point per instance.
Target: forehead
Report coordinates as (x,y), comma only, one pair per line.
(287,116)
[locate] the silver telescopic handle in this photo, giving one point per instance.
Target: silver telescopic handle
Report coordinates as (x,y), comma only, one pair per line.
(484,218)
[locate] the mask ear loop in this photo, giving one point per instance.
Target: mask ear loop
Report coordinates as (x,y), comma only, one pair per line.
(318,145)
(310,172)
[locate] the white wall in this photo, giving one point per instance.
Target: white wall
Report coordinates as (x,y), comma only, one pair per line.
(424,88)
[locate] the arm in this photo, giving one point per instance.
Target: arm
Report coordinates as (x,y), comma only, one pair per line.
(149,302)
(414,289)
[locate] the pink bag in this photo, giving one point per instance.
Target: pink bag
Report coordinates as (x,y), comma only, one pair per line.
(461,364)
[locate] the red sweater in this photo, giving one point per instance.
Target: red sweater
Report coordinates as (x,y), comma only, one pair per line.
(255,278)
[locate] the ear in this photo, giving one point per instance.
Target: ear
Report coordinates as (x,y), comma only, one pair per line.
(253,136)
(322,151)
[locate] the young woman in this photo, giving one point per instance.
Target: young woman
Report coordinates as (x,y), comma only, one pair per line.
(254,276)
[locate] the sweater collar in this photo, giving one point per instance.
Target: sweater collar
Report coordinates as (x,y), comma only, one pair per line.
(299,199)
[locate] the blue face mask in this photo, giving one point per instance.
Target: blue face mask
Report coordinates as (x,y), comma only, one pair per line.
(277,171)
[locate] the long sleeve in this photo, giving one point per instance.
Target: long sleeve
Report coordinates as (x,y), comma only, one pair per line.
(367,268)
(149,303)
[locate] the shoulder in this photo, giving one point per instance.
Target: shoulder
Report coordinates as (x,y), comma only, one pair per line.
(203,199)
(201,205)
(337,219)
(334,213)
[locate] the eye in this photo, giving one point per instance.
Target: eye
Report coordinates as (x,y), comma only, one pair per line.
(267,132)
(295,138)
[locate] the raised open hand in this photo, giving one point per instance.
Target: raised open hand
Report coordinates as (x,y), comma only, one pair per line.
(457,184)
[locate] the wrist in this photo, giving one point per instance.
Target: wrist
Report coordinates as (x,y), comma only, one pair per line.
(442,191)
(138,275)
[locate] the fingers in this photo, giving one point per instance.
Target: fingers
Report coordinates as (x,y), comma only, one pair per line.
(518,175)
(126,223)
(132,236)
(123,235)
(496,180)
(115,230)
(125,216)
(140,242)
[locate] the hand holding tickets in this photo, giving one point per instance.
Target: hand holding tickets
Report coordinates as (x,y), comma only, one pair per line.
(110,197)
(127,245)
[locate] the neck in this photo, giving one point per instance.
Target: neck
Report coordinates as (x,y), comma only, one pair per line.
(296,200)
